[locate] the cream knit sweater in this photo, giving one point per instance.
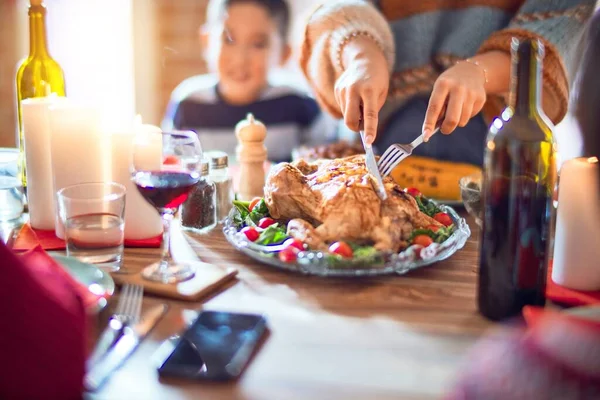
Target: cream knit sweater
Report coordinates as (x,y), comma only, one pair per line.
(421,38)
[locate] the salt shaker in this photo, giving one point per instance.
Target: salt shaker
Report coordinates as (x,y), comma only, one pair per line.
(219,174)
(199,211)
(252,154)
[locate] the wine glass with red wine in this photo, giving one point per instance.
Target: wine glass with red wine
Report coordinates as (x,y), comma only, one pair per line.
(166,166)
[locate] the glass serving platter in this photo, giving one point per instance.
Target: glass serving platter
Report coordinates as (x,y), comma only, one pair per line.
(321,264)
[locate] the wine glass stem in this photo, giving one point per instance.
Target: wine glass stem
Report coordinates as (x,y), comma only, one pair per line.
(167,257)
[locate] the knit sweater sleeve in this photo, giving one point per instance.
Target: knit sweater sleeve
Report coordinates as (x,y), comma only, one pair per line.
(328,28)
(558,25)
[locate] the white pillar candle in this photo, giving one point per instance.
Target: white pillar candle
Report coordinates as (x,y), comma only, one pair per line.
(40,192)
(79,149)
(576,262)
(142,221)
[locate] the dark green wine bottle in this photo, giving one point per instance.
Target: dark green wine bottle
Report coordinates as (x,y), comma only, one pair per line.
(519,179)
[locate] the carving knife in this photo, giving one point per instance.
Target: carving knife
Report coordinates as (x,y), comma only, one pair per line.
(372,168)
(127,343)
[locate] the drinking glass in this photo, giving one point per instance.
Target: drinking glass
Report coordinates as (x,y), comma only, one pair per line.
(11,190)
(470,192)
(166,166)
(93,218)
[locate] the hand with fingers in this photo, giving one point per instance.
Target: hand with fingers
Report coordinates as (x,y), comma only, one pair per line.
(362,88)
(459,91)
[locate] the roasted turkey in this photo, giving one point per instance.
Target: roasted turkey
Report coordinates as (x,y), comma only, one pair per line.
(332,200)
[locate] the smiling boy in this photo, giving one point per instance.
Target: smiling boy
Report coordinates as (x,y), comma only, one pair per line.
(243,41)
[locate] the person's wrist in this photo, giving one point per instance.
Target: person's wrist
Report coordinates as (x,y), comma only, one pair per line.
(476,65)
(497,65)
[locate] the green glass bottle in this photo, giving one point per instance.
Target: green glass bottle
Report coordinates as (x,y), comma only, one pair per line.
(38,74)
(519,179)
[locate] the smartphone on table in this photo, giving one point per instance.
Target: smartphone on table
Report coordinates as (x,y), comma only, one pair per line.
(216,346)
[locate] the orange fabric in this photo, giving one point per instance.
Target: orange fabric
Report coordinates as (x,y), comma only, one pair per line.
(28,238)
(393,9)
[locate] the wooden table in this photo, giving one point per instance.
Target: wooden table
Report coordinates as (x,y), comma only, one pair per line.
(395,337)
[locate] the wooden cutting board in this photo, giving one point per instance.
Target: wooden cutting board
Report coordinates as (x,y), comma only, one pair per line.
(208,279)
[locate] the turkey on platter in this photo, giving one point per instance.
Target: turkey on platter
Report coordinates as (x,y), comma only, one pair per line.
(332,200)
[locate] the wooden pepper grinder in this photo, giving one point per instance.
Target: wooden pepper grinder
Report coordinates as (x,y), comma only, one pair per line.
(252,154)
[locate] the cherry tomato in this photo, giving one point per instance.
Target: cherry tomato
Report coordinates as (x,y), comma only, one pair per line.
(266,222)
(341,249)
(251,233)
(171,160)
(433,228)
(296,243)
(289,254)
(422,240)
(443,218)
(253,203)
(414,192)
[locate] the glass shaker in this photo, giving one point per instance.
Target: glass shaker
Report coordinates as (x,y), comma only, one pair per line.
(219,174)
(199,211)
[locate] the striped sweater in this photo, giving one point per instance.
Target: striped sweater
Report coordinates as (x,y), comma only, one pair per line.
(292,118)
(423,38)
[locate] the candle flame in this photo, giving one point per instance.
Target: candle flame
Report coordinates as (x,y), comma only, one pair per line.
(592,160)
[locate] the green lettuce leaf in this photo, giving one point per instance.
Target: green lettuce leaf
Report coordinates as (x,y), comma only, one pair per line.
(439,237)
(426,206)
(274,234)
(259,211)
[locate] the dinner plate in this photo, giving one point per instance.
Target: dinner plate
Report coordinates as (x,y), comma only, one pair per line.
(97,281)
(322,264)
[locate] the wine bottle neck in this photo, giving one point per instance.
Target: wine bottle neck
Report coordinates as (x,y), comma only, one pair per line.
(37,31)
(526,81)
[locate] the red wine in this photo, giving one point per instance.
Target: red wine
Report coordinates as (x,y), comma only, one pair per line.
(165,189)
(519,179)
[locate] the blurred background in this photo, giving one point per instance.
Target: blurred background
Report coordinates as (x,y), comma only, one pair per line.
(126,56)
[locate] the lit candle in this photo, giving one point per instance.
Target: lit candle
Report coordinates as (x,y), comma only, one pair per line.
(576,262)
(79,148)
(40,191)
(141,219)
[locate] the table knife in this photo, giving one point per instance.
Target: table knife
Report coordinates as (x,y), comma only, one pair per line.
(129,340)
(372,168)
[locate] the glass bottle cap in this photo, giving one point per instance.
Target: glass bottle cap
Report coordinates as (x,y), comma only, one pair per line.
(219,160)
(204,168)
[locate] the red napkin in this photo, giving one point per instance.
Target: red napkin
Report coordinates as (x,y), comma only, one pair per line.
(28,238)
(535,316)
(566,296)
(43,335)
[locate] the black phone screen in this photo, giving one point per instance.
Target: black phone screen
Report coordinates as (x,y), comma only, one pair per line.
(217,346)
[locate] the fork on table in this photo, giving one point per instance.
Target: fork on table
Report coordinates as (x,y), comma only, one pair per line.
(127,312)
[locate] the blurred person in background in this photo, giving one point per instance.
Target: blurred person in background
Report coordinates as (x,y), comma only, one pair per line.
(243,40)
(399,65)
